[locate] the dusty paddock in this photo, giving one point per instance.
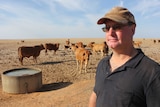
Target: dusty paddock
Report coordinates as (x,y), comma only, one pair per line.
(62,86)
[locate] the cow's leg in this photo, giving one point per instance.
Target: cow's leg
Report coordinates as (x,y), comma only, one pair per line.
(21,60)
(102,53)
(95,52)
(54,52)
(81,64)
(35,59)
(46,52)
(105,51)
(86,64)
(77,65)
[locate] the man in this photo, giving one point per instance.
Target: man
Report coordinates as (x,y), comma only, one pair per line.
(126,78)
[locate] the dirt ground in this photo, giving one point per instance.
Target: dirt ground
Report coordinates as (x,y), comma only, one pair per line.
(62,85)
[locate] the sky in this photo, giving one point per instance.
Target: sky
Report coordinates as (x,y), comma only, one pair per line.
(38,19)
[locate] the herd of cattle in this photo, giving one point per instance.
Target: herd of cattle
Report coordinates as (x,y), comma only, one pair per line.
(82,52)
(28,51)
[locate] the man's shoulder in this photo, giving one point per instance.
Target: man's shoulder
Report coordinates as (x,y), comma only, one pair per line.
(148,60)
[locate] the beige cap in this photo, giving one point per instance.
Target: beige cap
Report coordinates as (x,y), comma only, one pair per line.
(118,14)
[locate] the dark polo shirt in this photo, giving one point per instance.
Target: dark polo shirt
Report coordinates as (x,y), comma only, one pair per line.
(135,84)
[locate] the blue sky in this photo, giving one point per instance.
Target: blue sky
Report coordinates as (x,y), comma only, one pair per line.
(72,18)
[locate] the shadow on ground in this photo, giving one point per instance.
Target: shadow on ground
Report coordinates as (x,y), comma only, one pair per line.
(54,86)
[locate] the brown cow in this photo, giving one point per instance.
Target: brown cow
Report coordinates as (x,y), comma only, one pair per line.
(66,47)
(90,44)
(51,46)
(137,44)
(27,51)
(68,42)
(79,44)
(82,57)
(73,47)
(103,48)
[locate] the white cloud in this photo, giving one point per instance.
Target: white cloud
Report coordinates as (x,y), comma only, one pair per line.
(73,4)
(148,7)
(121,3)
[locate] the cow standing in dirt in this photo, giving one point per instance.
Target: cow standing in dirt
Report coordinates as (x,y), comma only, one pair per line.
(28,51)
(103,48)
(82,58)
(51,46)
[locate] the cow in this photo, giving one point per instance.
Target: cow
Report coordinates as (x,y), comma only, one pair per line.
(28,51)
(79,44)
(73,47)
(82,58)
(90,44)
(103,48)
(22,41)
(66,47)
(51,46)
(137,44)
(68,42)
(154,41)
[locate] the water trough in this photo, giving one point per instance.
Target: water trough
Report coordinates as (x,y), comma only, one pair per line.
(21,80)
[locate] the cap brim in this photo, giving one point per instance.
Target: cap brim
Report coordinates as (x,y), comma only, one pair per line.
(115,18)
(101,21)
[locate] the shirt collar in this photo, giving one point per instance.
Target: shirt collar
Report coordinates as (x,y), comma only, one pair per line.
(133,62)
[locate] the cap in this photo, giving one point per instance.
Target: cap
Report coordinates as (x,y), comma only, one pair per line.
(118,14)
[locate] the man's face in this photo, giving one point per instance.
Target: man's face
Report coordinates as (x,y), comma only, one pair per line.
(118,35)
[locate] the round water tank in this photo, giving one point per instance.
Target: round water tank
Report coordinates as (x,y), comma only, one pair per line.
(21,80)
